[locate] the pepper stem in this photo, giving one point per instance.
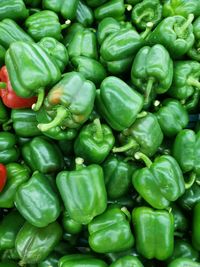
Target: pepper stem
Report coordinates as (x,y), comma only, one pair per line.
(148,30)
(98,132)
(6,126)
(41,93)
(141,115)
(143,157)
(62,113)
(149,88)
(131,144)
(128,7)
(193,82)
(66,24)
(187,23)
(3,85)
(191,181)
(79,163)
(126,212)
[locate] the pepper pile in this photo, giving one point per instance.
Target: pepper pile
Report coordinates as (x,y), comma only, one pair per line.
(99,139)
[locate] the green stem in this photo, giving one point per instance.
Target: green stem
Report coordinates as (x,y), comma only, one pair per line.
(126,212)
(79,163)
(124,148)
(193,82)
(66,24)
(62,113)
(143,157)
(128,7)
(141,115)
(191,181)
(187,23)
(138,20)
(148,30)
(6,126)
(149,89)
(40,99)
(3,85)
(98,132)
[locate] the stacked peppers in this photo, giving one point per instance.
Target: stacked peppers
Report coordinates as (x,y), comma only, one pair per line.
(99,133)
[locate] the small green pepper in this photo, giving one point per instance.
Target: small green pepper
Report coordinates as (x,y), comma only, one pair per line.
(8,149)
(13,9)
(183,262)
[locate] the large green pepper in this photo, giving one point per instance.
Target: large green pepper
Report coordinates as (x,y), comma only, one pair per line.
(110,232)
(172,116)
(9,227)
(187,143)
(41,72)
(183,262)
(146,11)
(56,50)
(3,113)
(70,102)
(143,135)
(152,69)
(94,142)
(24,122)
(78,260)
(112,8)
(196,227)
(84,14)
(83,44)
(83,191)
(43,155)
(67,8)
(127,261)
(159,243)
(8,149)
(185,81)
(191,196)
(37,202)
(118,173)
(13,9)
(118,103)
(175,33)
(17,174)
(35,244)
(163,186)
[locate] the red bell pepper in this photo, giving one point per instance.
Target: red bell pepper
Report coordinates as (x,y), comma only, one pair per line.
(9,97)
(2,176)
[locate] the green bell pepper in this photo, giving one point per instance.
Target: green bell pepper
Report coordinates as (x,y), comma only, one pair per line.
(70,102)
(196,227)
(71,31)
(67,8)
(146,11)
(172,116)
(43,155)
(3,113)
(180,220)
(83,191)
(44,23)
(159,243)
(24,122)
(37,202)
(76,260)
(42,71)
(35,244)
(50,261)
(94,142)
(163,186)
(83,44)
(13,9)
(191,196)
(110,232)
(17,174)
(175,34)
(56,50)
(118,173)
(127,261)
(69,225)
(84,14)
(90,68)
(187,143)
(194,52)
(185,81)
(143,135)
(8,149)
(9,227)
(112,8)
(152,69)
(183,262)
(118,103)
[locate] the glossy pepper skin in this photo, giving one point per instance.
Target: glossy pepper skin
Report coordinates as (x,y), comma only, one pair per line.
(69,225)
(191,196)
(172,117)
(187,143)
(66,8)
(24,122)
(127,261)
(84,14)
(112,8)
(118,175)
(146,11)
(94,142)
(143,135)
(69,106)
(9,227)
(175,34)
(110,232)
(164,187)
(39,241)
(13,9)
(118,103)
(182,262)
(75,185)
(71,31)
(196,227)
(77,260)
(3,113)
(51,260)
(42,155)
(158,244)
(3,176)
(56,50)
(8,149)
(194,52)
(17,174)
(37,202)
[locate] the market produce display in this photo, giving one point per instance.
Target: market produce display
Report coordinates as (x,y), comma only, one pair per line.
(100,133)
